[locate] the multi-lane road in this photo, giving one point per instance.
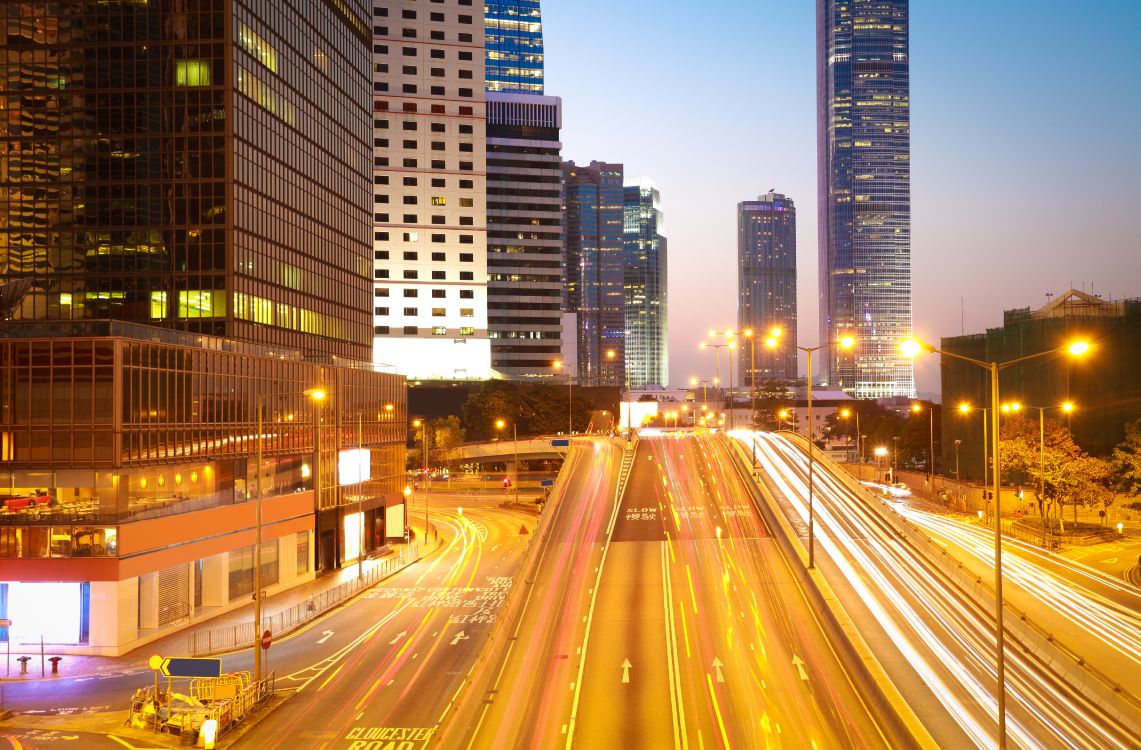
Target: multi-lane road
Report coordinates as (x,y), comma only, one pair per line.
(932,624)
(664,619)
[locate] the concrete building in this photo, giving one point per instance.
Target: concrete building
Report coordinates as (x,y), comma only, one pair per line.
(181,251)
(524,243)
(766,286)
(1103,385)
(429,175)
(647,319)
(864,182)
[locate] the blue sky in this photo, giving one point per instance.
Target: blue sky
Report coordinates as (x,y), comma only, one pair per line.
(1026,145)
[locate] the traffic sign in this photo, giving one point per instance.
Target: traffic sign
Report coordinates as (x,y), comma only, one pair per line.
(561,443)
(188,667)
(266,639)
(546,483)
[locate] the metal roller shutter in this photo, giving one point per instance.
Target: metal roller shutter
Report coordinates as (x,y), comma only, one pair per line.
(173,594)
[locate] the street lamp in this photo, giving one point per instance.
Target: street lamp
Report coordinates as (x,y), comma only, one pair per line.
(915,409)
(499,425)
(880,452)
(558,365)
(957,444)
(315,395)
(611,354)
(422,425)
(912,348)
(847,413)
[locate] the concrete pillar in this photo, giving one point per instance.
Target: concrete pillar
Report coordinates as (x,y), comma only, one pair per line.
(148,601)
(215,581)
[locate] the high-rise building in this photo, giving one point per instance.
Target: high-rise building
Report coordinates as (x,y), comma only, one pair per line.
(514,46)
(647,330)
(429,166)
(594,257)
(184,252)
(766,285)
(524,238)
(863,129)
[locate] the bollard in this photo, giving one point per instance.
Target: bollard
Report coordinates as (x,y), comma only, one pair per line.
(24,663)
(55,660)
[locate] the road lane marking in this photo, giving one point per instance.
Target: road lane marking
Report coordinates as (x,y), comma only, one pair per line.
(673,669)
(327,635)
(625,672)
(367,695)
(329,678)
(717,665)
(717,710)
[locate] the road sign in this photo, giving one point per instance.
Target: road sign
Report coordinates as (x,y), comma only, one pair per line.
(546,483)
(187,667)
(266,639)
(561,443)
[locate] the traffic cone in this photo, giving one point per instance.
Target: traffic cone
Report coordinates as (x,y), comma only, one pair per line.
(523,530)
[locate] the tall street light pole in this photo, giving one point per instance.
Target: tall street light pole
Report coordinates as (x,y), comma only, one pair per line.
(847,414)
(916,408)
(716,365)
(1068,408)
(315,394)
(957,444)
(558,365)
(422,424)
(912,348)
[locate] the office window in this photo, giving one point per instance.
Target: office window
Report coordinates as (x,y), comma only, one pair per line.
(437,54)
(468,147)
(468,111)
(466,166)
(382,124)
(410,144)
(408,255)
(408,274)
(467,331)
(439,330)
(408,125)
(408,107)
(408,51)
(467,239)
(380,273)
(380,236)
(410,14)
(438,312)
(437,238)
(467,312)
(411,293)
(465,92)
(467,276)
(439,200)
(467,221)
(467,294)
(380,310)
(465,74)
(380,291)
(437,164)
(467,202)
(408,33)
(411,330)
(410,237)
(438,256)
(437,219)
(380,199)
(410,219)
(382,330)
(466,129)
(467,257)
(408,70)
(410,200)
(436,35)
(409,162)
(437,109)
(439,146)
(466,38)
(410,312)
(410,181)
(466,184)
(437,72)
(437,91)
(408,88)
(380,255)
(439,294)
(439,127)
(438,182)
(465,56)
(439,276)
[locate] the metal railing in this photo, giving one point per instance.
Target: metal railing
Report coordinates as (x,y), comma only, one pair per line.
(241,635)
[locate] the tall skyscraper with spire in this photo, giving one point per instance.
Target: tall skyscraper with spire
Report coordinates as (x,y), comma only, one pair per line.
(863,130)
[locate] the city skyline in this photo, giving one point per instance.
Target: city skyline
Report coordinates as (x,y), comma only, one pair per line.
(1007,172)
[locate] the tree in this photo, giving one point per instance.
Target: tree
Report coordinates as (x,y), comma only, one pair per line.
(447,435)
(1125,464)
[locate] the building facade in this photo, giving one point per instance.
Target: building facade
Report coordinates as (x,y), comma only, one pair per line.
(594,257)
(1103,385)
(766,286)
(429,175)
(524,238)
(646,303)
(514,46)
(864,177)
(185,191)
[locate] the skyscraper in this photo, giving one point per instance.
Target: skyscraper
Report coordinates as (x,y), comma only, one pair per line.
(647,331)
(430,236)
(594,254)
(766,285)
(524,238)
(185,210)
(514,46)
(863,130)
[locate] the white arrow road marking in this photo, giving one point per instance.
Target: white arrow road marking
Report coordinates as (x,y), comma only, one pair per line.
(459,637)
(327,635)
(799,664)
(399,635)
(626,670)
(1110,561)
(717,668)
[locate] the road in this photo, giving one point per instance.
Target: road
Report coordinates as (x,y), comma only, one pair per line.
(675,623)
(935,640)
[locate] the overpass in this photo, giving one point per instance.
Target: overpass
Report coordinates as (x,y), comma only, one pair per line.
(551,446)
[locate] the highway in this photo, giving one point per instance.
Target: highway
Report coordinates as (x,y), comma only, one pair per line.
(667,620)
(935,638)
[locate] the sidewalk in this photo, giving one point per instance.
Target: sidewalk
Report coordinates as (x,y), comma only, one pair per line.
(176,644)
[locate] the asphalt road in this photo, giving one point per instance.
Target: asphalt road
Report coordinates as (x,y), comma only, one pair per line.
(936,639)
(646,628)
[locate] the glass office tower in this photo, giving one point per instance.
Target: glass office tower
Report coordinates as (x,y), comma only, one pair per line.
(766,285)
(647,332)
(145,180)
(593,237)
(514,46)
(863,129)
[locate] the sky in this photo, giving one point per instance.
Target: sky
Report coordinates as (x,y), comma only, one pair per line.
(1025,146)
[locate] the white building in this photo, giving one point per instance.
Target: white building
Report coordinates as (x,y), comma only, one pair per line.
(430,230)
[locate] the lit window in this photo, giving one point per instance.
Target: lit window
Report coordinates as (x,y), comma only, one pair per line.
(192,73)
(439,331)
(467,312)
(200,304)
(439,200)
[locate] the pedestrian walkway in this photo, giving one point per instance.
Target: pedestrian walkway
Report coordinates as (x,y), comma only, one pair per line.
(176,644)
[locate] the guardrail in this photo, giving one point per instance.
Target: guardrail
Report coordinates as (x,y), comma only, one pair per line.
(234,637)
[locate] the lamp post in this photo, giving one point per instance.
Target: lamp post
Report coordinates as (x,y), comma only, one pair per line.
(915,409)
(314,394)
(422,424)
(717,366)
(912,348)
(894,458)
(1068,408)
(611,354)
(558,365)
(957,444)
(846,413)
(499,425)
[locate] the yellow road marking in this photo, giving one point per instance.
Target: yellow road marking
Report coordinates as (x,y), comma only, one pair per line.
(330,677)
(368,695)
(717,710)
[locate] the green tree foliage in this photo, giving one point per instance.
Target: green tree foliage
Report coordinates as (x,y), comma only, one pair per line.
(536,409)
(1125,464)
(880,425)
(1060,474)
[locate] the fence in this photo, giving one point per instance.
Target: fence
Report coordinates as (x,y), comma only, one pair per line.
(241,635)
(156,710)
